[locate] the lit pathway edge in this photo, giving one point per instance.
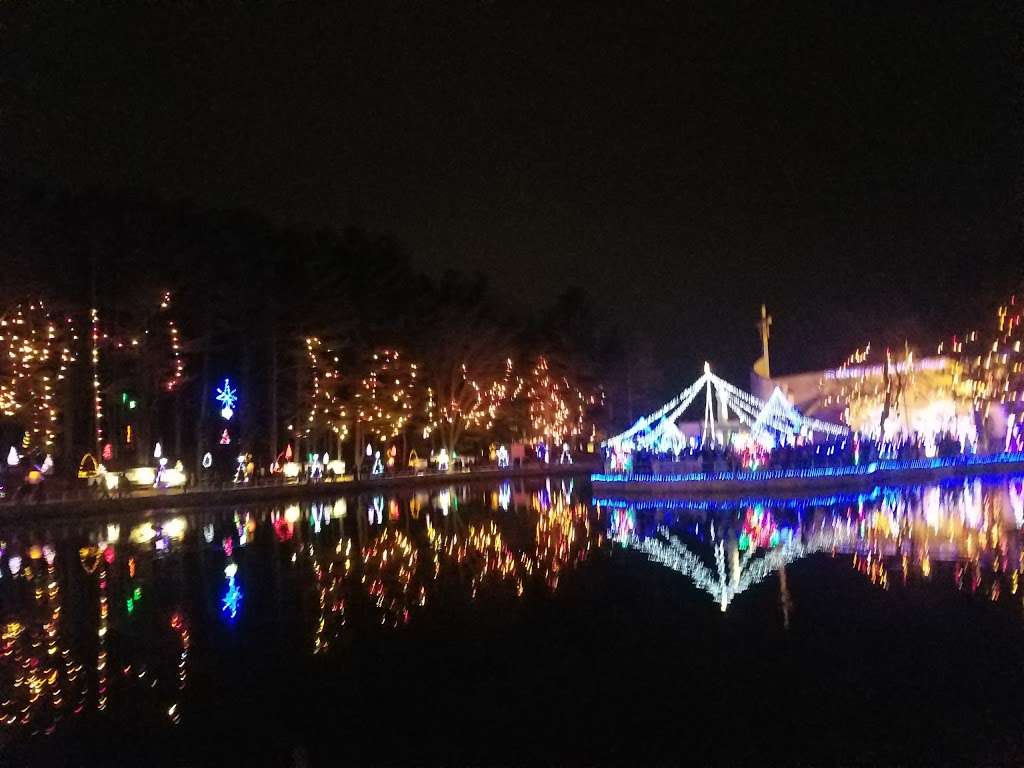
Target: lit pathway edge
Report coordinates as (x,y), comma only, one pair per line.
(885,471)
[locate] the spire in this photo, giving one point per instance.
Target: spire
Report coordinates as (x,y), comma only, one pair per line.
(762,367)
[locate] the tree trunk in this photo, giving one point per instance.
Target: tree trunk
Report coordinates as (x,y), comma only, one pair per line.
(178,426)
(298,420)
(204,392)
(68,422)
(246,422)
(357,431)
(274,374)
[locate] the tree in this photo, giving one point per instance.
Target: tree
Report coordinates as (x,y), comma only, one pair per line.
(990,366)
(557,405)
(35,352)
(387,400)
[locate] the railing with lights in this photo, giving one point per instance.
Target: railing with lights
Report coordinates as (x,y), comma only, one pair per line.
(760,476)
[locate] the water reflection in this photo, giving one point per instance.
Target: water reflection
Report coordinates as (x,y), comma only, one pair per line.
(972,529)
(103,615)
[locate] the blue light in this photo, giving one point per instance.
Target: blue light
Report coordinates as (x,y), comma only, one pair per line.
(758,476)
(714,505)
(227,397)
(232,599)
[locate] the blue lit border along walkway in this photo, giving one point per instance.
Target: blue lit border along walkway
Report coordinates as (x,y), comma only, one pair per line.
(810,479)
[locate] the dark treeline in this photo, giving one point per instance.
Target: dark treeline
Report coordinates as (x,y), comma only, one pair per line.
(246,298)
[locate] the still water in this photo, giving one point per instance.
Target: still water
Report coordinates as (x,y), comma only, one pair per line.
(521,624)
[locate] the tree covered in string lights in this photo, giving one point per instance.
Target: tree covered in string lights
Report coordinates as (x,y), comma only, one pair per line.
(141,370)
(36,348)
(467,351)
(466,390)
(387,400)
(322,415)
(247,295)
(990,366)
(553,406)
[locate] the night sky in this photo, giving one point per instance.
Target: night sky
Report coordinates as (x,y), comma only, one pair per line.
(854,165)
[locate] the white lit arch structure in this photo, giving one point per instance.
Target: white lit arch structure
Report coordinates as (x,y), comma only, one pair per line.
(767,420)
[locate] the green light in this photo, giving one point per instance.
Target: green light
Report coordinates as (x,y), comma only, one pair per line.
(131,405)
(130,605)
(137,594)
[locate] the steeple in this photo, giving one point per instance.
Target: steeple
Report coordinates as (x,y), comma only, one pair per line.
(762,367)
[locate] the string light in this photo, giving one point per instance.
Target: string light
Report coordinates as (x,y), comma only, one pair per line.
(97,392)
(460,402)
(31,370)
(997,462)
(324,409)
(178,371)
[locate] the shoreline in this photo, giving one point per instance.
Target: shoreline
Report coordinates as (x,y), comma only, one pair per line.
(233,494)
(787,481)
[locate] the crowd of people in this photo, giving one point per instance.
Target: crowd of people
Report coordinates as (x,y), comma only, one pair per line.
(850,450)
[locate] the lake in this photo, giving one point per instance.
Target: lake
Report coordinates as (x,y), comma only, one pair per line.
(521,622)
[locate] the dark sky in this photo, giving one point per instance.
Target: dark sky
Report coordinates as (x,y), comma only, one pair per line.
(848,163)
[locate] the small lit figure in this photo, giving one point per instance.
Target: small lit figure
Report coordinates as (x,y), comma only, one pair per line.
(566,457)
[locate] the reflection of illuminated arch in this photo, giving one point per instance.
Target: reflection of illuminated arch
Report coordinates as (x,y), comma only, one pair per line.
(667,549)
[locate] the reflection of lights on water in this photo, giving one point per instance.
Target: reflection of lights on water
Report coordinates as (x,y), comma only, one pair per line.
(170,529)
(932,502)
(567,486)
(623,525)
(930,533)
(142,534)
(376,510)
(444,501)
(232,599)
(340,508)
(1017,501)
(971,503)
(292,513)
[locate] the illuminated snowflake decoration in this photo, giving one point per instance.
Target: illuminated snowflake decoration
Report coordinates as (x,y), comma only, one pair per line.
(227,397)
